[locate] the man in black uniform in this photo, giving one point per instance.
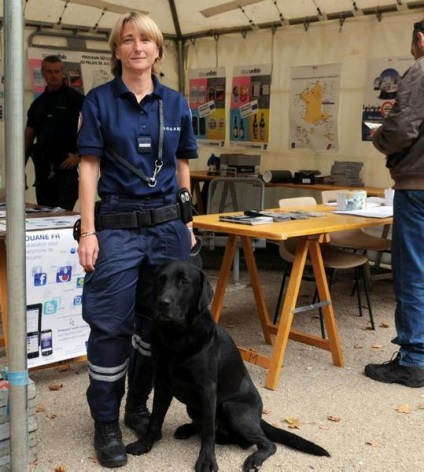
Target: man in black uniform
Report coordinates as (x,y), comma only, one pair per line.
(53,124)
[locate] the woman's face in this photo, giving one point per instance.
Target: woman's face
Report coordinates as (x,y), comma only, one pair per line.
(136,53)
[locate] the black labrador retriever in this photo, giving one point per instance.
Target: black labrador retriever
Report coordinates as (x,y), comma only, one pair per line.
(197,362)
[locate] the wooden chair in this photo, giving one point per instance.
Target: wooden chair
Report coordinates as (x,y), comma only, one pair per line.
(334,259)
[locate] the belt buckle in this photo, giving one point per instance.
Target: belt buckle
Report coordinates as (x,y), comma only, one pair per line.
(143,218)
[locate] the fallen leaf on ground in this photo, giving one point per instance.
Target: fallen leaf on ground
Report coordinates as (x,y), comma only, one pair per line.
(54,387)
(39,408)
(60,469)
(373,443)
(336,419)
(384,325)
(377,346)
(357,346)
(293,422)
(404,408)
(51,416)
(325,427)
(265,412)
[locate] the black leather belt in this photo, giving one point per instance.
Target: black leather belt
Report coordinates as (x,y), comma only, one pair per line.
(138,219)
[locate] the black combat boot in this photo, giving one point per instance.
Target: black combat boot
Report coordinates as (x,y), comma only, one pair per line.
(108,443)
(137,416)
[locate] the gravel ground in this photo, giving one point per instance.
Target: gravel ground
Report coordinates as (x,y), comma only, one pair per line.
(365,425)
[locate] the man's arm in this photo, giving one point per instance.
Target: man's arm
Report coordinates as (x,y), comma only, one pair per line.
(29,136)
(403,124)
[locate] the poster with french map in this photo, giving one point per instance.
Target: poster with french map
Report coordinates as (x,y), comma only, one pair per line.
(313,108)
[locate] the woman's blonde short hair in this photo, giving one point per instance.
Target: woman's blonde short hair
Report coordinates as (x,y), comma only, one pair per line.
(146,27)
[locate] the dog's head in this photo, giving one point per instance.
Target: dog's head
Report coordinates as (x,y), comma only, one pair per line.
(181,291)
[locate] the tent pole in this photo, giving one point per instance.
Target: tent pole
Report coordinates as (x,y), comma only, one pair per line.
(181,82)
(15,234)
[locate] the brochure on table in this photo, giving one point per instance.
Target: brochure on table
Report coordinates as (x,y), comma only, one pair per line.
(48,222)
(55,328)
(374,212)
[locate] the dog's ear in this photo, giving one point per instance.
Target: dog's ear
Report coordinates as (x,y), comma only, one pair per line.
(205,292)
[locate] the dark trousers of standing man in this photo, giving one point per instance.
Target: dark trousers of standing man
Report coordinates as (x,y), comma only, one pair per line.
(58,189)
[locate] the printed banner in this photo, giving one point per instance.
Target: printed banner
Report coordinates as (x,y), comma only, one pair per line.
(250,102)
(383,78)
(55,328)
(82,70)
(313,108)
(207,104)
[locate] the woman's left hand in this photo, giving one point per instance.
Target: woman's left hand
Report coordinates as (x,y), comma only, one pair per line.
(193,238)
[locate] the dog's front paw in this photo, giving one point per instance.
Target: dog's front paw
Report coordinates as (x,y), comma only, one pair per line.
(252,464)
(206,464)
(138,447)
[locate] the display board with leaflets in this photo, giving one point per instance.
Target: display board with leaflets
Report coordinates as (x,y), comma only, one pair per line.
(55,328)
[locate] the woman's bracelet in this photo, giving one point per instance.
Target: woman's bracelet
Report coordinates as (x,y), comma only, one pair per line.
(88,233)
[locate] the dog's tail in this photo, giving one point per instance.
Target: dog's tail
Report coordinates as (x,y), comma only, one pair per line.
(292,440)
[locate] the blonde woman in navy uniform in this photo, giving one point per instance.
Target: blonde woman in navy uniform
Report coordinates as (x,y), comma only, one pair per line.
(136,140)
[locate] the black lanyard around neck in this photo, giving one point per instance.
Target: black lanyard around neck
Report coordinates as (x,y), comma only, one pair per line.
(151,181)
(159,160)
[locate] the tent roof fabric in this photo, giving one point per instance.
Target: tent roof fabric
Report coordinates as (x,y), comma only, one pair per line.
(184,19)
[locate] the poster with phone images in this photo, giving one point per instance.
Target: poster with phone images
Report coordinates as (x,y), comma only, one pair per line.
(54,279)
(207,104)
(383,78)
(250,102)
(82,70)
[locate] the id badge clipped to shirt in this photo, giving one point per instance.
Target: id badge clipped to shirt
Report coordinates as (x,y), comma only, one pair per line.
(144,145)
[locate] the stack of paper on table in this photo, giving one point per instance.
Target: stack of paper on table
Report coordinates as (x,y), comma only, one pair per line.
(374,212)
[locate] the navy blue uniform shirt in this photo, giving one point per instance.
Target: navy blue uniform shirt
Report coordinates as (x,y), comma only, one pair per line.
(113,119)
(54,117)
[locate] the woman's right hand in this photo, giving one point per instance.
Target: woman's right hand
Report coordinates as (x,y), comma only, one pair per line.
(88,251)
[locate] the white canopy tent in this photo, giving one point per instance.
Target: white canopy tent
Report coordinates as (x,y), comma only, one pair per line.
(212,33)
(188,18)
(201,33)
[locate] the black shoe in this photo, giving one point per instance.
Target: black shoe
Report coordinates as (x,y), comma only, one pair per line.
(137,417)
(108,444)
(392,372)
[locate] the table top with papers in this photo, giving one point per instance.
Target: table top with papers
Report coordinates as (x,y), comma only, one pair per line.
(278,231)
(38,218)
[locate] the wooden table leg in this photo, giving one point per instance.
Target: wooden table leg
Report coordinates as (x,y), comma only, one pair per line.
(284,330)
(3,292)
(224,273)
(286,316)
(327,310)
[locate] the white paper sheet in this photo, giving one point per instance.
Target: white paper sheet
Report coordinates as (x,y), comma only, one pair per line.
(376,212)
